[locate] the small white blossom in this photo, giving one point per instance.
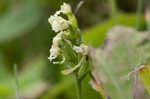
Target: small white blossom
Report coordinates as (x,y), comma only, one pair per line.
(58,23)
(65,8)
(57,38)
(84,49)
(60,62)
(55,50)
(77,49)
(57,13)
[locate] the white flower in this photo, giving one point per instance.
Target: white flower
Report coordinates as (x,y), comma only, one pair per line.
(58,23)
(65,8)
(57,38)
(77,49)
(55,50)
(83,49)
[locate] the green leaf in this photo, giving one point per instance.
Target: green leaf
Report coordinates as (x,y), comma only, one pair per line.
(5,86)
(96,35)
(32,74)
(59,88)
(24,16)
(144,73)
(118,57)
(30,80)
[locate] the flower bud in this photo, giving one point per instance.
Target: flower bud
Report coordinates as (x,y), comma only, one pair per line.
(55,50)
(58,23)
(65,8)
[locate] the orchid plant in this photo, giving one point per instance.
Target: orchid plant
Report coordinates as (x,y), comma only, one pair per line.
(68,48)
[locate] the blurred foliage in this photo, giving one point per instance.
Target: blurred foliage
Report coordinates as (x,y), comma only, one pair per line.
(144,73)
(12,26)
(95,36)
(25,39)
(29,79)
(118,57)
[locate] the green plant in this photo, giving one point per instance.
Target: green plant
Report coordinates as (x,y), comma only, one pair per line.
(68,48)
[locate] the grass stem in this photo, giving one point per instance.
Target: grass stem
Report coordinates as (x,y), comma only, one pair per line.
(78,82)
(113,8)
(16,81)
(138,13)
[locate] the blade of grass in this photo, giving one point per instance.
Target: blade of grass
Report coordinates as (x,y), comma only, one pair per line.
(113,7)
(147,16)
(139,13)
(16,81)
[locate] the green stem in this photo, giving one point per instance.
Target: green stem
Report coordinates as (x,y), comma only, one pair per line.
(139,13)
(147,15)
(78,82)
(113,7)
(16,81)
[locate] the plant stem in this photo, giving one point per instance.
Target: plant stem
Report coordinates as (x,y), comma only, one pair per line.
(113,7)
(16,81)
(135,89)
(139,13)
(147,14)
(78,86)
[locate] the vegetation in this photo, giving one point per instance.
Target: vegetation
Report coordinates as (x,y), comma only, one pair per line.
(99,49)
